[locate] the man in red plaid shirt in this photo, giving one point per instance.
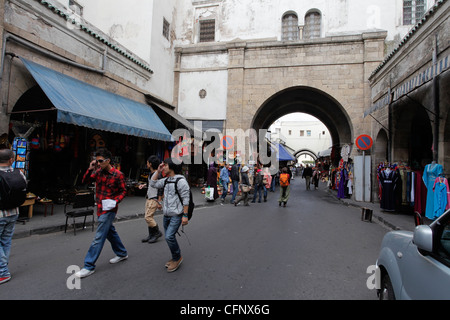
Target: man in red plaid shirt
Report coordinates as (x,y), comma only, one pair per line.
(110,190)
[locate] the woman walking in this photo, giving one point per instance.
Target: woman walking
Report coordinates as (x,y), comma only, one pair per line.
(212,179)
(245,186)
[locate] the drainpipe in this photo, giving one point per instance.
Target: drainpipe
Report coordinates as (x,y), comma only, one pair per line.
(436,102)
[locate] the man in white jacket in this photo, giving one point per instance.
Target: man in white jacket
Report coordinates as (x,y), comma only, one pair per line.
(175,206)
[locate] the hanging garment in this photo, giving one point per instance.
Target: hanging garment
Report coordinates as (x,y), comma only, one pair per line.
(441,200)
(389,184)
(420,196)
(342,183)
(431,172)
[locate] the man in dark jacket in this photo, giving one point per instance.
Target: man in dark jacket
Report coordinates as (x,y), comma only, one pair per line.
(307,174)
(235,180)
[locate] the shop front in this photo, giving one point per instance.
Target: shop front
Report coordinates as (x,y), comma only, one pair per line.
(410,112)
(62,121)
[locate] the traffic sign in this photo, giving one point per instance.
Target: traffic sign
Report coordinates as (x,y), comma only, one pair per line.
(364,142)
(227,143)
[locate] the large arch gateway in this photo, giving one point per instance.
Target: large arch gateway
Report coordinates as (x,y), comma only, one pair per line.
(311,101)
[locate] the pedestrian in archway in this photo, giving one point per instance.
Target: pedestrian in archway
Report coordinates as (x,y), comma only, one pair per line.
(211,180)
(307,174)
(235,181)
(258,184)
(284,187)
(267,182)
(224,180)
(245,187)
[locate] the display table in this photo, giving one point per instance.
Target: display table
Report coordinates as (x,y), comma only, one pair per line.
(30,201)
(46,203)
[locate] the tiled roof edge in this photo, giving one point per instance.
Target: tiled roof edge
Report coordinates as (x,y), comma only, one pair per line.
(94,34)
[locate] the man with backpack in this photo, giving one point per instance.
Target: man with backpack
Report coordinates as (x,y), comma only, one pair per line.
(13,193)
(176,207)
(284,187)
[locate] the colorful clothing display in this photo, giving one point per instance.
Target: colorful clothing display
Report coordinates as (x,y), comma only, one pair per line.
(431,172)
(389,183)
(441,197)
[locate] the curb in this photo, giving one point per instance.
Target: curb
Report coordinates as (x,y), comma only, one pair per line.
(60,227)
(378,218)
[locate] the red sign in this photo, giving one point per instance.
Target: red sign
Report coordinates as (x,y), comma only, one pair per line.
(364,142)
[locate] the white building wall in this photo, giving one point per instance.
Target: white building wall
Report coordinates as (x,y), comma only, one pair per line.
(137,25)
(319,140)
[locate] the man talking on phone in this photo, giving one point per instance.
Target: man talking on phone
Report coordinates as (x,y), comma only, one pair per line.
(110,191)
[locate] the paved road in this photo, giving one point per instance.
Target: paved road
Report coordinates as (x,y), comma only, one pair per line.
(315,248)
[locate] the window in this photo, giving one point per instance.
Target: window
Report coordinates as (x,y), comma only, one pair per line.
(413,11)
(290,27)
(76,8)
(302,133)
(166,28)
(290,132)
(308,133)
(207,30)
(313,22)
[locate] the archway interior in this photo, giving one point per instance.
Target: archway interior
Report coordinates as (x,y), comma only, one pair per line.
(306,135)
(309,101)
(413,139)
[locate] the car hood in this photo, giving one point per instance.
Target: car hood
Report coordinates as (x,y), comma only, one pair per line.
(397,239)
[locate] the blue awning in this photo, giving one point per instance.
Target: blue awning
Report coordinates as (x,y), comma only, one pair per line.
(85,105)
(283,154)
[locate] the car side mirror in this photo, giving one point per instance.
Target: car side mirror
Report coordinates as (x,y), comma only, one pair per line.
(423,238)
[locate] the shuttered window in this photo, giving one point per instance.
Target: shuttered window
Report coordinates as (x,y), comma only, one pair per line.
(313,22)
(413,11)
(290,27)
(207,30)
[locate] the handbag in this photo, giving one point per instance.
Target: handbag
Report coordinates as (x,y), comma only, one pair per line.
(245,188)
(209,193)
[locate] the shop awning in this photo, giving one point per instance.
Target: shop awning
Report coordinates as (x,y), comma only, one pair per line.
(85,105)
(283,153)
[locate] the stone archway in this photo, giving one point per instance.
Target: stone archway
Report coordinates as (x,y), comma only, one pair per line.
(307,152)
(381,152)
(311,101)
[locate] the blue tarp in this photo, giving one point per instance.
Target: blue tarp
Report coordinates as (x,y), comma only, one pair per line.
(283,154)
(85,105)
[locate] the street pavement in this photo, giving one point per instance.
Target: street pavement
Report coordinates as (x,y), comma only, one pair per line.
(315,248)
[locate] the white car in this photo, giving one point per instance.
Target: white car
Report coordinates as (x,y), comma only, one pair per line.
(416,265)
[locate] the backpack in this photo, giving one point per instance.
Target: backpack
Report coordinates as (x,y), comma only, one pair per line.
(191,201)
(13,189)
(284,179)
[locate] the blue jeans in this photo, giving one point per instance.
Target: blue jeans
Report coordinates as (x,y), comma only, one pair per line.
(258,189)
(105,230)
(171,226)
(272,186)
(225,189)
(235,190)
(7,226)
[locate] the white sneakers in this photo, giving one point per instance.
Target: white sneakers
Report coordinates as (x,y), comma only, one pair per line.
(117,259)
(83,273)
